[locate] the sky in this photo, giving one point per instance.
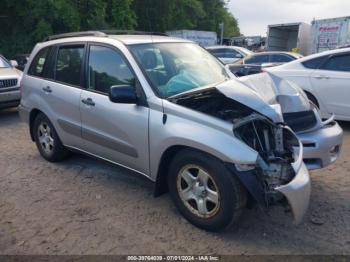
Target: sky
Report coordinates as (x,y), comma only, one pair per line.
(254,15)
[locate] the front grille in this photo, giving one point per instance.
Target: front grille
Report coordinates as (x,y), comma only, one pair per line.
(300,121)
(4,83)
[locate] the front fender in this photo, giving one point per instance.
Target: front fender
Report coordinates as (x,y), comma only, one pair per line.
(185,127)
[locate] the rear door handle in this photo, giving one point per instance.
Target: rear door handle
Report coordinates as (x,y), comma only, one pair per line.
(88,101)
(47,89)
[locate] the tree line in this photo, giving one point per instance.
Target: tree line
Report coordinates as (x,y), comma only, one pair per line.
(26,22)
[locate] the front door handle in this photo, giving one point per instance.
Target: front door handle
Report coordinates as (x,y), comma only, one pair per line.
(88,101)
(47,89)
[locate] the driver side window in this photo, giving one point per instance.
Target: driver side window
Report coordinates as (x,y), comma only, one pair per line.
(107,68)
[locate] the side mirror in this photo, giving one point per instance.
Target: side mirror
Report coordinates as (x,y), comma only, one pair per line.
(14,63)
(123,94)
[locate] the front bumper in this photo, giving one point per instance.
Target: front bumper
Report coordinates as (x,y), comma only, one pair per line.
(322,145)
(298,193)
(9,97)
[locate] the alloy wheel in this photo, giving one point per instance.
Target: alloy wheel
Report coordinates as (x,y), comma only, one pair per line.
(45,137)
(198,191)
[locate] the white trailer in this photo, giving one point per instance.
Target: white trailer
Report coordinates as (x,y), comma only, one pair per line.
(204,38)
(330,33)
(289,37)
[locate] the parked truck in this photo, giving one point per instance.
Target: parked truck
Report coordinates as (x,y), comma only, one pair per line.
(203,38)
(330,33)
(291,37)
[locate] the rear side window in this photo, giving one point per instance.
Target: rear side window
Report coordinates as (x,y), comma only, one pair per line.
(276,58)
(68,64)
(314,63)
(107,68)
(39,62)
(225,53)
(257,59)
(338,63)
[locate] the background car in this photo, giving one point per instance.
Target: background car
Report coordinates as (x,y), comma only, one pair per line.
(229,54)
(10,78)
(325,77)
(255,62)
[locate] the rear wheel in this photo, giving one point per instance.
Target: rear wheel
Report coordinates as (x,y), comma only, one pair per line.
(47,140)
(204,191)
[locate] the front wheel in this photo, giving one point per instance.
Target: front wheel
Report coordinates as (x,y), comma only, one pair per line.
(204,191)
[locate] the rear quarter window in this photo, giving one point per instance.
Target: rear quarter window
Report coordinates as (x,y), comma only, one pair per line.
(39,62)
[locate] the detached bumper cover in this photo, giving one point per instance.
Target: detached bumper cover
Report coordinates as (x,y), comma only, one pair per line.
(298,190)
(298,193)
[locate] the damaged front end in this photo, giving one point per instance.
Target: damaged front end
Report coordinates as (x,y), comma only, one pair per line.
(279,171)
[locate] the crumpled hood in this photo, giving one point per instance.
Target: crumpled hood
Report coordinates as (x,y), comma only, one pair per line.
(273,89)
(248,96)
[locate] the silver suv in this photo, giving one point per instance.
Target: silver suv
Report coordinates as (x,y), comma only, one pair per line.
(167,109)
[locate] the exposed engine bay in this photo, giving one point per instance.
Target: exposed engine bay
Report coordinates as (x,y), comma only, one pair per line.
(274,142)
(275,146)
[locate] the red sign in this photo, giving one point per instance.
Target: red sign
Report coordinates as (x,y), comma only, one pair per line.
(328,28)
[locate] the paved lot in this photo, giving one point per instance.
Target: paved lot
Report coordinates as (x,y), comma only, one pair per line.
(85,206)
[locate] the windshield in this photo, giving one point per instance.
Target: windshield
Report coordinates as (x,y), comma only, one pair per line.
(4,63)
(173,68)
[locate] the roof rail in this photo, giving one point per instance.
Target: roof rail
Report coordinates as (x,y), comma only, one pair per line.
(75,34)
(102,33)
(131,32)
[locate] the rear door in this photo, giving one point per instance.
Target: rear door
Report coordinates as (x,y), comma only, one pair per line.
(332,82)
(61,89)
(113,131)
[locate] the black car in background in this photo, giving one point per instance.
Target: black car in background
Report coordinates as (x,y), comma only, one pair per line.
(254,63)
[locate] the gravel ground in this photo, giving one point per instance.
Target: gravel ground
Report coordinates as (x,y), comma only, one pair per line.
(86,206)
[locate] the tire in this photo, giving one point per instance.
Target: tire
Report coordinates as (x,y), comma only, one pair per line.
(47,141)
(195,198)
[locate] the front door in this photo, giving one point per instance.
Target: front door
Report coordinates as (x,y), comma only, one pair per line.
(113,131)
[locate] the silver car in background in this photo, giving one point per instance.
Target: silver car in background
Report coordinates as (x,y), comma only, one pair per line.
(167,109)
(10,79)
